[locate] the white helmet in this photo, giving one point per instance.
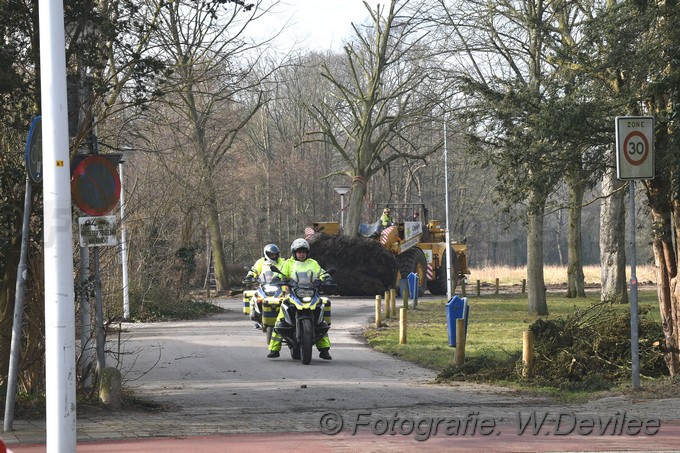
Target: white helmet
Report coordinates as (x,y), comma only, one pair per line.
(271,252)
(299,244)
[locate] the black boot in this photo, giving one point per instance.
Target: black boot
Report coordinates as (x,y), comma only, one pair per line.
(273,354)
(324,354)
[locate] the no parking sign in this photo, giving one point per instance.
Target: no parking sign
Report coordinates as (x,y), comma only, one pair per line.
(635,147)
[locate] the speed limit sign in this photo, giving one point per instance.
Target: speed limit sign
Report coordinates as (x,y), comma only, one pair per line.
(635,147)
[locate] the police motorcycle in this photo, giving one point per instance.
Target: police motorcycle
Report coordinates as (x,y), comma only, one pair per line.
(306,314)
(266,298)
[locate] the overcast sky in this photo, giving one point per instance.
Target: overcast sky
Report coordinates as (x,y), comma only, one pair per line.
(316,24)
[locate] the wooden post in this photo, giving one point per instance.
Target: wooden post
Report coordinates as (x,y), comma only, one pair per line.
(528,354)
(388,304)
(497,285)
(402,325)
(378,312)
(403,287)
(393,301)
(460,341)
(524,285)
(462,287)
(479,287)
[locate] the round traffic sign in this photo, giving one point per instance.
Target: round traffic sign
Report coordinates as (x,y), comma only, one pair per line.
(34,151)
(95,185)
(635,148)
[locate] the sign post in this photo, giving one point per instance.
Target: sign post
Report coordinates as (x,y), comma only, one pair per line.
(33,175)
(634,160)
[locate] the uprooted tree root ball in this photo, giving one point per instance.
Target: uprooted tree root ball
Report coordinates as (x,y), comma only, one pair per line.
(363,266)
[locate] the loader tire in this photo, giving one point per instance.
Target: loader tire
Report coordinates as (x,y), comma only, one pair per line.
(413,260)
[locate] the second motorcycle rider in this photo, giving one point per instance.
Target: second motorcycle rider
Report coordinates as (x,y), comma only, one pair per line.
(271,255)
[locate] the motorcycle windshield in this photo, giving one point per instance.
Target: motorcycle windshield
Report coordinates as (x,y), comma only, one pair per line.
(304,278)
(266,276)
(265,283)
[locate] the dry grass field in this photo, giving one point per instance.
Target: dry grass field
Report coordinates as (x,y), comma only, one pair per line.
(554,275)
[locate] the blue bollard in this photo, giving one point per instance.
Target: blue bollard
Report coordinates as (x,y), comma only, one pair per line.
(456,308)
(413,287)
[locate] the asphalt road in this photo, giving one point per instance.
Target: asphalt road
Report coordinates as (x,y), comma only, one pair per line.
(219,365)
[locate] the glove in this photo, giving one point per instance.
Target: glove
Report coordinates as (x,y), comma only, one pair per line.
(329,282)
(248,279)
(276,279)
(317,283)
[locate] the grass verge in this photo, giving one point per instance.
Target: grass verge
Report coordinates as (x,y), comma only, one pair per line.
(494,339)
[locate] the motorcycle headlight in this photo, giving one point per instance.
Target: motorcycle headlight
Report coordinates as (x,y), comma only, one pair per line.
(270,289)
(304,293)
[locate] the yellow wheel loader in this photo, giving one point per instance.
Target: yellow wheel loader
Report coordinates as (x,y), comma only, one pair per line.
(419,246)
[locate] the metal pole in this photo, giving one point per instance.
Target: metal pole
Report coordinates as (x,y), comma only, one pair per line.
(634,348)
(85,323)
(98,313)
(449,289)
(123,248)
(60,347)
(342,211)
(15,346)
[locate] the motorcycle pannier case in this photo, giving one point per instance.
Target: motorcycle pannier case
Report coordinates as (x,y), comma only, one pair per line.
(270,310)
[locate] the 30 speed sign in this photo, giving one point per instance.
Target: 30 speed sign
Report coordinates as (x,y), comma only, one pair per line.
(635,147)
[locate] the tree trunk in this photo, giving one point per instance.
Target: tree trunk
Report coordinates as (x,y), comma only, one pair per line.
(558,237)
(216,242)
(612,240)
(535,279)
(575,277)
(356,203)
(668,290)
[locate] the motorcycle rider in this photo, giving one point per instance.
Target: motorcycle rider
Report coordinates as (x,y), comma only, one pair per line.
(299,261)
(271,255)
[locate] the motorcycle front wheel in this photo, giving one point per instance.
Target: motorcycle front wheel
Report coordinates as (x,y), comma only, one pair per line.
(307,340)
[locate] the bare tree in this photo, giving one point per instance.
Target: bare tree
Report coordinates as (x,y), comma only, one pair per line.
(210,96)
(289,171)
(383,90)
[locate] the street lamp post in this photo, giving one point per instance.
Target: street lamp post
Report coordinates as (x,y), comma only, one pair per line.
(342,191)
(449,284)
